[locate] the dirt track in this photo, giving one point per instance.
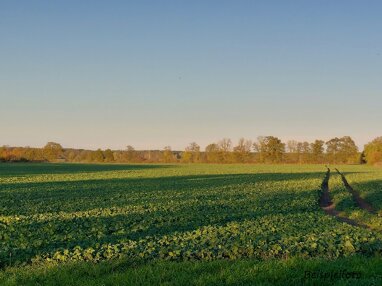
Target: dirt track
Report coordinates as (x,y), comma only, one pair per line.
(361,203)
(329,207)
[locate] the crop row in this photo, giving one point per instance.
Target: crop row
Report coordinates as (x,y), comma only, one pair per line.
(175,212)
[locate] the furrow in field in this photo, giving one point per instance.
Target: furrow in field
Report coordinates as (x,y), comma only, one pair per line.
(329,207)
(361,203)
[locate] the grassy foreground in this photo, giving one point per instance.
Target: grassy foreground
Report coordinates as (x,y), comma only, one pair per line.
(354,270)
(74,224)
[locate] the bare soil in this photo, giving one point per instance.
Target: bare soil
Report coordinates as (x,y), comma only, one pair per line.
(329,207)
(361,203)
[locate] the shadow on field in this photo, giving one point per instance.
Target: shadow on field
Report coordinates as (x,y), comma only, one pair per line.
(17,169)
(81,213)
(116,185)
(150,206)
(373,197)
(70,196)
(159,221)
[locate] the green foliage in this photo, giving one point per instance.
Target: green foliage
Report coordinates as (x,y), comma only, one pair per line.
(270,149)
(220,272)
(108,155)
(191,154)
(242,152)
(52,151)
(61,213)
(342,150)
(318,151)
(97,156)
(266,150)
(373,151)
(167,155)
(212,153)
(367,181)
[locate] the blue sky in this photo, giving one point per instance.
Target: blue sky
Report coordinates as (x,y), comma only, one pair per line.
(93,74)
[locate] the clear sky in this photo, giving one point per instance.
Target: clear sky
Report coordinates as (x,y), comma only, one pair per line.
(108,74)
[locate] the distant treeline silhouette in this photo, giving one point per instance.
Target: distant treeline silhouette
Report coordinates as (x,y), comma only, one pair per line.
(267,149)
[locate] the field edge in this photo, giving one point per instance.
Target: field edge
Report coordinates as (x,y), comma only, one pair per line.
(353,270)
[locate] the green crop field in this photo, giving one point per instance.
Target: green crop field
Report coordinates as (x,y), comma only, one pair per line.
(200,224)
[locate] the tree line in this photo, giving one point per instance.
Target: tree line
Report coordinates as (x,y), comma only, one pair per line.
(266,149)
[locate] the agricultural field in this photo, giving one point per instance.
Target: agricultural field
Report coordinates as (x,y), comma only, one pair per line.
(209,224)
(361,200)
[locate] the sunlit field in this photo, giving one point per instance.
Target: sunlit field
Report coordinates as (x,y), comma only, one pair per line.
(205,224)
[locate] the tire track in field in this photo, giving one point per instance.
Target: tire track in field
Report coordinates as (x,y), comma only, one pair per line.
(329,207)
(361,203)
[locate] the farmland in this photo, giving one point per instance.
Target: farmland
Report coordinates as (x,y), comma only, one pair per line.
(177,216)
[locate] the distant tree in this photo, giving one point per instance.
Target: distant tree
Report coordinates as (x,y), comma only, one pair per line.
(97,156)
(342,150)
(225,144)
(130,148)
(71,156)
(186,157)
(52,151)
(318,150)
(332,149)
(193,147)
(86,156)
(130,153)
(292,146)
(225,148)
(2,153)
(212,153)
(348,150)
(270,148)
(7,153)
(373,151)
(191,153)
(33,154)
(168,156)
(362,158)
(108,155)
(305,156)
(242,151)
